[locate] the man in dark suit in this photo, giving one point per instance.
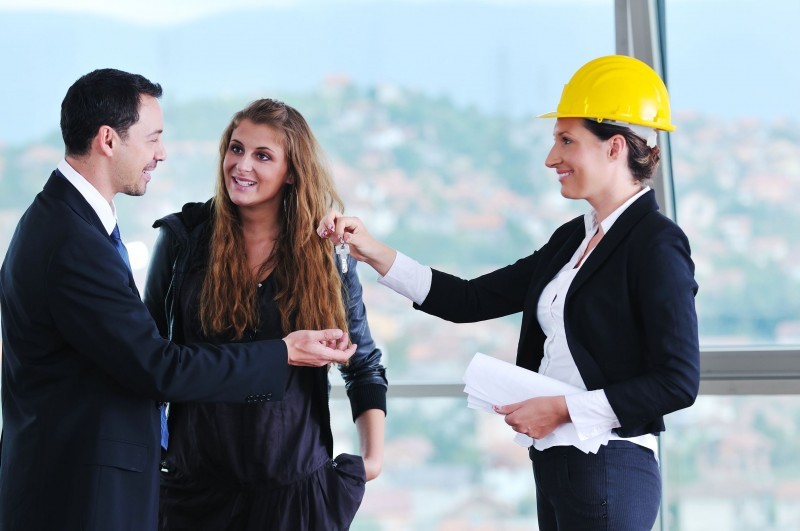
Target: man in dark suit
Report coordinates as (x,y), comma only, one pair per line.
(84,366)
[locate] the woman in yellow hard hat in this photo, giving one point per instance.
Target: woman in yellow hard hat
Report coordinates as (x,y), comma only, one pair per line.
(607,305)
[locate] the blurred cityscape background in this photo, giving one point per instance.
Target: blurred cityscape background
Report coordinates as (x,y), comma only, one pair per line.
(425,112)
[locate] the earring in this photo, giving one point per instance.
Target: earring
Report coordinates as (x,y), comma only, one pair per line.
(287,202)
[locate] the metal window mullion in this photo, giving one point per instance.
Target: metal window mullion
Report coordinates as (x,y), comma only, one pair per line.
(640,33)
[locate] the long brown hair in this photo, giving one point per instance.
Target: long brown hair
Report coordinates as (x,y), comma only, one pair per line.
(309,289)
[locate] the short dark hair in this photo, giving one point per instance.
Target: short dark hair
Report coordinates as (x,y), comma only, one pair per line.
(102,97)
(642,159)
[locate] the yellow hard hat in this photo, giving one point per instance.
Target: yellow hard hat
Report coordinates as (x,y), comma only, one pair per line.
(618,88)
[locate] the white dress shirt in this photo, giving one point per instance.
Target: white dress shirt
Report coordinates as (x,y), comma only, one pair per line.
(589,411)
(105,211)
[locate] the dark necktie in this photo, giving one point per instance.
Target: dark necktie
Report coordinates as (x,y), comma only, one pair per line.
(123,252)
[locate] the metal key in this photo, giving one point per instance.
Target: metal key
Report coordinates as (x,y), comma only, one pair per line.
(342,250)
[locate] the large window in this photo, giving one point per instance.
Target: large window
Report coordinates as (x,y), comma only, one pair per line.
(736,170)
(425,111)
(736,164)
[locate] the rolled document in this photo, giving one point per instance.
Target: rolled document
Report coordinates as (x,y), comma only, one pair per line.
(492,382)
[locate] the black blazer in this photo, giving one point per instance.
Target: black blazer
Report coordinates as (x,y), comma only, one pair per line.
(629,316)
(83,369)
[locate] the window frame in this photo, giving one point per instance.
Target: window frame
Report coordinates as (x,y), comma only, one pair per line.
(640,32)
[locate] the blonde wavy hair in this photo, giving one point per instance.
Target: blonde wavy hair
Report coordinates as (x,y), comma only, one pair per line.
(309,288)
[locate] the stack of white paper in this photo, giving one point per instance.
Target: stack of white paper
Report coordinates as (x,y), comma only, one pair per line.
(492,382)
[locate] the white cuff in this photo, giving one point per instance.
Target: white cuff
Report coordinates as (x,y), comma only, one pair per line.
(591,413)
(409,278)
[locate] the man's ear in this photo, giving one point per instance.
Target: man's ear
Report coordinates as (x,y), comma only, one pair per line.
(616,145)
(106,140)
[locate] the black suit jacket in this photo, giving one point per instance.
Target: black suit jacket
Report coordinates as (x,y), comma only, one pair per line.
(629,315)
(83,368)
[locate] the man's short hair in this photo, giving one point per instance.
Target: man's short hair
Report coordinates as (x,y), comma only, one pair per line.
(102,97)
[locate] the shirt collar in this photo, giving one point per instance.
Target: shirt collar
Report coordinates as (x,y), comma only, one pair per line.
(105,211)
(590,218)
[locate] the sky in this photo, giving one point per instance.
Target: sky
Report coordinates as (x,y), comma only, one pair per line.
(166,12)
(455,50)
(145,11)
(499,61)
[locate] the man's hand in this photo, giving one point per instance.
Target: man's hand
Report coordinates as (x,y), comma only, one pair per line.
(315,348)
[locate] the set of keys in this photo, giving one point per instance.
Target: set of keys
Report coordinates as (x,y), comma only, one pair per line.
(342,251)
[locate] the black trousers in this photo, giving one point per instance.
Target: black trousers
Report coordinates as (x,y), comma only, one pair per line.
(618,489)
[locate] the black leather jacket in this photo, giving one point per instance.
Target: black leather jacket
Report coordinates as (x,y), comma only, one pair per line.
(179,238)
